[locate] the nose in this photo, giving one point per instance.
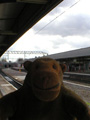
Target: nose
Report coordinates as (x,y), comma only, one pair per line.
(45,80)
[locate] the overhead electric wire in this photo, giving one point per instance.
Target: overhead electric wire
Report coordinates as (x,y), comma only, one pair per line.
(57,17)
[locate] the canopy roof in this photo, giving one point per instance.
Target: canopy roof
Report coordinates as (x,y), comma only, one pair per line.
(17,16)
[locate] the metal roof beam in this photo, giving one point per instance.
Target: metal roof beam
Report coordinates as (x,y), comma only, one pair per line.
(25,1)
(7,33)
(3,44)
(33,1)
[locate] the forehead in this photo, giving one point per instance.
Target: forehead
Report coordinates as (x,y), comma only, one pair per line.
(44,60)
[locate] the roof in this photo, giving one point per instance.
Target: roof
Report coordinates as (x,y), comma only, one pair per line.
(84,52)
(17,16)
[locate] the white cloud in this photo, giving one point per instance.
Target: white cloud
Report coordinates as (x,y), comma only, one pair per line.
(69,31)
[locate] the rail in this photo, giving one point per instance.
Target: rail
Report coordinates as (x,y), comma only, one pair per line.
(11,80)
(72,76)
(80,77)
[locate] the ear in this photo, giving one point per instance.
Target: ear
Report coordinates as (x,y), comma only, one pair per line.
(64,67)
(27,65)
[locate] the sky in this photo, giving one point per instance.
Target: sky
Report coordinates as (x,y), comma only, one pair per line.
(65,28)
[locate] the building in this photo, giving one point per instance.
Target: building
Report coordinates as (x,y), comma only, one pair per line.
(76,60)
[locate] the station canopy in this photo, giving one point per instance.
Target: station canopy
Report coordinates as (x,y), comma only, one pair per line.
(17,16)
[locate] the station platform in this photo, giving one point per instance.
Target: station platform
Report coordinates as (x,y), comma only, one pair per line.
(16,74)
(5,87)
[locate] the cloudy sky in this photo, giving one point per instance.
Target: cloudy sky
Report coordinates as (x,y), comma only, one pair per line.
(67,27)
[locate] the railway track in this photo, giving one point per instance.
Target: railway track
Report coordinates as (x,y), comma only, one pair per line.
(71,76)
(11,80)
(68,76)
(17,84)
(81,89)
(78,77)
